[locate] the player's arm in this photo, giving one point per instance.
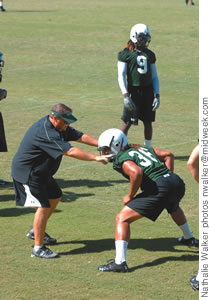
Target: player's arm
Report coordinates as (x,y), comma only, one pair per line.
(193,163)
(156,87)
(88,140)
(135,175)
(83,155)
(166,157)
(122,71)
(155,80)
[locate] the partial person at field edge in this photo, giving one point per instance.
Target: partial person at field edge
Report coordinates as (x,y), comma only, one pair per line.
(3,142)
(36,162)
(189,1)
(1,6)
(139,82)
(193,165)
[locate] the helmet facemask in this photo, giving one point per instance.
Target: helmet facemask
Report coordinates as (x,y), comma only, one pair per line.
(143,41)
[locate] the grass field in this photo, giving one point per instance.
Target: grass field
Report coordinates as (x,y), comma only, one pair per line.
(66,52)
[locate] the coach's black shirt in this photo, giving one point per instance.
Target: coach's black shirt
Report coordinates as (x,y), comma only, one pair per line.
(41,150)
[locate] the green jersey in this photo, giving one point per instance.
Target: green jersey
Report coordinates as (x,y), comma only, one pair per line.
(138,66)
(146,159)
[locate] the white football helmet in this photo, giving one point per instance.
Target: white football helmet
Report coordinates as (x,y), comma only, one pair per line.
(113,138)
(140,35)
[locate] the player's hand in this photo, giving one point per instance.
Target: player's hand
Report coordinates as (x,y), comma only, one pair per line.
(129,104)
(156,103)
(127,199)
(104,158)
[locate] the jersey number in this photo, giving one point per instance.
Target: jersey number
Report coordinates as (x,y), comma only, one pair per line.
(142,63)
(145,157)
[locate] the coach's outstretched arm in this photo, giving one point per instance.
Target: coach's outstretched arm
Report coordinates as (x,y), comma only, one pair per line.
(88,140)
(83,155)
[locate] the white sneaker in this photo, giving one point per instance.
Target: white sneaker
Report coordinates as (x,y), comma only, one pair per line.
(44,252)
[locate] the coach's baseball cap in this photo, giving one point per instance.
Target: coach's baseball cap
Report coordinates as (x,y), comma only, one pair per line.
(68,117)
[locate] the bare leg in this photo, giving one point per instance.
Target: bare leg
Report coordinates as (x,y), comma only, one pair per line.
(39,224)
(122,232)
(179,217)
(53,205)
(40,220)
(123,221)
(122,236)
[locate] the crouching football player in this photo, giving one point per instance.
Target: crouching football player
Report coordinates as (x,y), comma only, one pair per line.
(150,169)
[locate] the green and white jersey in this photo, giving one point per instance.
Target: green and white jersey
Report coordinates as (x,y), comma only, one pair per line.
(143,157)
(138,66)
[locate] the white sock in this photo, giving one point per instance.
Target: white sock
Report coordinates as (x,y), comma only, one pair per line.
(147,143)
(197,277)
(186,231)
(121,247)
(36,248)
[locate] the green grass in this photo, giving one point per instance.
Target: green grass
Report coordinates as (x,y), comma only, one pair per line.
(66,51)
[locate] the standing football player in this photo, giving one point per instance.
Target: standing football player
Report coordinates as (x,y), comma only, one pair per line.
(150,169)
(138,81)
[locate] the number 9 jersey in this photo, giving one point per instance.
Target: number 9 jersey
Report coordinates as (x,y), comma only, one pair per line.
(138,66)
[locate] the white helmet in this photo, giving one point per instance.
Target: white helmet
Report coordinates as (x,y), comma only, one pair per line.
(113,138)
(140,34)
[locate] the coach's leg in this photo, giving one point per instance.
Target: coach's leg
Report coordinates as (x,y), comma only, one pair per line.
(122,232)
(53,205)
(39,224)
(40,216)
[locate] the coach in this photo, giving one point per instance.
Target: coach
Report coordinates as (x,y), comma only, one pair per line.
(38,159)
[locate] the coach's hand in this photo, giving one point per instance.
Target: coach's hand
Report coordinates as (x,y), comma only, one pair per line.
(104,158)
